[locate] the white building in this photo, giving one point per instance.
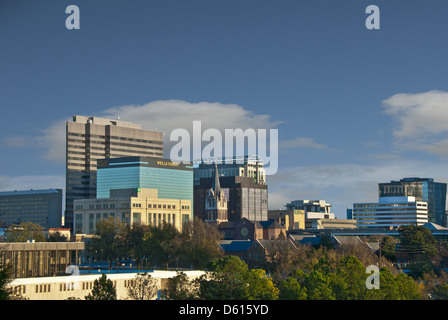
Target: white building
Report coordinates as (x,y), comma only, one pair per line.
(78,286)
(390,213)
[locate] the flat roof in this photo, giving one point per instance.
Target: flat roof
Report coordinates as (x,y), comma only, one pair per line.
(28,192)
(136,161)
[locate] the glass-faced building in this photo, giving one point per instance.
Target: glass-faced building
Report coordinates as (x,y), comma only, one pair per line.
(172,180)
(43,207)
(423,189)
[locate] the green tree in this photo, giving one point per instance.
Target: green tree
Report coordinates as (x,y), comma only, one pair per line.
(5,280)
(160,244)
(26,231)
(143,287)
(290,289)
(394,287)
(226,281)
(318,286)
(103,289)
(260,286)
(135,238)
(198,244)
(417,240)
(349,280)
(407,288)
(440,292)
(111,242)
(387,247)
(231,279)
(181,288)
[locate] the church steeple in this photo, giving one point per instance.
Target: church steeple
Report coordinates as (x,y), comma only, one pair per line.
(216,201)
(216,186)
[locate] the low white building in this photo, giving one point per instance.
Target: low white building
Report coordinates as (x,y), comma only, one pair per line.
(78,286)
(390,213)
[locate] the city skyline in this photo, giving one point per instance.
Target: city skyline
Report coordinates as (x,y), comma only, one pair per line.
(353,107)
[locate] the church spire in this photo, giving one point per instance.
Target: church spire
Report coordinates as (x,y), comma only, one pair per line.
(216,187)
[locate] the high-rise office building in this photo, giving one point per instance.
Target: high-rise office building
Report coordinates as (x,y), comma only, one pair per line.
(423,189)
(89,139)
(43,207)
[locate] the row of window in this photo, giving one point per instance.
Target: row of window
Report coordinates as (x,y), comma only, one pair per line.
(66,286)
(154,218)
(103,140)
(134,205)
(137,140)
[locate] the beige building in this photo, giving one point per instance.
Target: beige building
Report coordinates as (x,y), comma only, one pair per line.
(132,206)
(89,139)
(291,219)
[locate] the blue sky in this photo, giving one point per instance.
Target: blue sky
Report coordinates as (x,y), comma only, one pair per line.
(353,107)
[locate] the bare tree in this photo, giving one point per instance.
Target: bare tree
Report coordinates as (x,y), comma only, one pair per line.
(143,287)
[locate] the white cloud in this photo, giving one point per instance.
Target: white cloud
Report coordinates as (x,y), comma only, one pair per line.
(51,140)
(17,141)
(169,115)
(166,115)
(301,142)
(159,115)
(422,121)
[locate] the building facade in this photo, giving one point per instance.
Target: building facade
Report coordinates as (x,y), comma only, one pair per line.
(246,199)
(131,206)
(390,213)
(79,286)
(39,259)
(171,180)
(43,207)
(248,166)
(216,209)
(243,184)
(423,189)
(245,229)
(314,210)
(292,219)
(89,139)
